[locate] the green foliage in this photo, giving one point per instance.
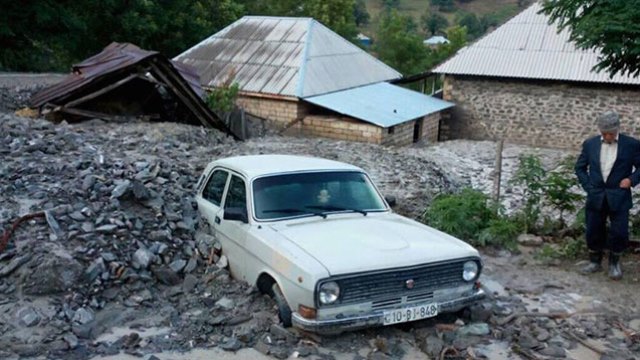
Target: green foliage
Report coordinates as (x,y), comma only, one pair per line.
(274,7)
(51,35)
(222,99)
(557,188)
(502,232)
(338,15)
(530,176)
(433,22)
(391,4)
(474,27)
(360,13)
(613,27)
(398,45)
(568,248)
(444,5)
(462,215)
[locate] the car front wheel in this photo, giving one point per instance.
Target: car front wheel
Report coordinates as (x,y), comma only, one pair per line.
(284,311)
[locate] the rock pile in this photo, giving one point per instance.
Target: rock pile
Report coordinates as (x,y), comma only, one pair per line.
(114,246)
(117,234)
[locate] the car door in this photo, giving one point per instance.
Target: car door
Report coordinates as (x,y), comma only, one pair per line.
(210,201)
(232,233)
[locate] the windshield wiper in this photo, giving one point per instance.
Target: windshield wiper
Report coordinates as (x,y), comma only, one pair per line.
(335,208)
(295,211)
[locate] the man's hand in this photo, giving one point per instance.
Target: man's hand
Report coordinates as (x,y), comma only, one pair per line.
(625,183)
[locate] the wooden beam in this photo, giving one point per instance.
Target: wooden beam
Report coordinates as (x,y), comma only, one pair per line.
(102,91)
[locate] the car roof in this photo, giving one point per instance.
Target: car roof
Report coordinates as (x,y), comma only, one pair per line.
(257,165)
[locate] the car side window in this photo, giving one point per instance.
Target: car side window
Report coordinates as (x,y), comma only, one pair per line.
(215,187)
(237,194)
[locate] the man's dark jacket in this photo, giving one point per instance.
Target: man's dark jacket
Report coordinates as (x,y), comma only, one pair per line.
(627,165)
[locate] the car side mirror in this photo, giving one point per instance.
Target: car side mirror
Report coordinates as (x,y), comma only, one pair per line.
(236,214)
(391,200)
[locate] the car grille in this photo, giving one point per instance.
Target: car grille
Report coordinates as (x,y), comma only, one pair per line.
(388,288)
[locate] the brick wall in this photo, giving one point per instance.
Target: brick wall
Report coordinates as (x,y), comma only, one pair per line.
(279,112)
(402,134)
(431,128)
(537,113)
(341,128)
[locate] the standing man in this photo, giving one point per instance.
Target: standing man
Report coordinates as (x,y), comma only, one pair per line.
(608,166)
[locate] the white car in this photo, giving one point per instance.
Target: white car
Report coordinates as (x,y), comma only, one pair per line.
(318,236)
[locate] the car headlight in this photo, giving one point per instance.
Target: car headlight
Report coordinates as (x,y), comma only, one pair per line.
(329,292)
(470,270)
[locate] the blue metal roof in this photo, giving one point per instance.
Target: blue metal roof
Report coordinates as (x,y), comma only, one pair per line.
(380,104)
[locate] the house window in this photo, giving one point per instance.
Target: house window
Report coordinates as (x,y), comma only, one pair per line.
(391,130)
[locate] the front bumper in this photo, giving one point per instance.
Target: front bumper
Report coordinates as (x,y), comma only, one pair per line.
(375,318)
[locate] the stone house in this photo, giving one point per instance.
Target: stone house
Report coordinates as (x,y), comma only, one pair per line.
(527,83)
(304,79)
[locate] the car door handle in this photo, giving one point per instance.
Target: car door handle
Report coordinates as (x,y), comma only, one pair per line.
(217,220)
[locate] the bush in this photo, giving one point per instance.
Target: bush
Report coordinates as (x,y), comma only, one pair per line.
(530,175)
(463,215)
(557,188)
(501,232)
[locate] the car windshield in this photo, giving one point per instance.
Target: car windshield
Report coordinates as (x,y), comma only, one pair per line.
(314,193)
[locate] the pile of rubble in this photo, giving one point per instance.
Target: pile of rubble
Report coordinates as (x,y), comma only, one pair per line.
(109,258)
(110,229)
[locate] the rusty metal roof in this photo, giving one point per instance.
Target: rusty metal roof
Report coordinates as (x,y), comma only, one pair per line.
(117,63)
(294,57)
(527,46)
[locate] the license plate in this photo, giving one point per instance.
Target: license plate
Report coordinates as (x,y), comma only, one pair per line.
(410,314)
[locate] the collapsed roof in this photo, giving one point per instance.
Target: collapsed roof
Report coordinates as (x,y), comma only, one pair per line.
(124,80)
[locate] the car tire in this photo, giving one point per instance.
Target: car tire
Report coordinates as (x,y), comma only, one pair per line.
(284,311)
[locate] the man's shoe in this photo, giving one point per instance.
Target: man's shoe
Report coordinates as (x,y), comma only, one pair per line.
(591,268)
(615,271)
(595,260)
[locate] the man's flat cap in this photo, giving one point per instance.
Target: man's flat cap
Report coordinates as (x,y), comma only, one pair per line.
(608,121)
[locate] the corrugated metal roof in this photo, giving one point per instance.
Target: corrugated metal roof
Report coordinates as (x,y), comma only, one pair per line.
(527,46)
(381,104)
(295,57)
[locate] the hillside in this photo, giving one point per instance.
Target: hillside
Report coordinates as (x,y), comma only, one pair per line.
(500,9)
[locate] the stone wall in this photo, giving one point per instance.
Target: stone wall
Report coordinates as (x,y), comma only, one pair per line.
(537,113)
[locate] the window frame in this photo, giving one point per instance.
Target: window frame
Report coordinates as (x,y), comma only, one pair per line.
(223,205)
(293,217)
(224,188)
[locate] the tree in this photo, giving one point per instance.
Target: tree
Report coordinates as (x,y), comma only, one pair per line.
(474,27)
(391,4)
(274,7)
(444,5)
(52,35)
(335,14)
(433,22)
(612,27)
(397,44)
(360,13)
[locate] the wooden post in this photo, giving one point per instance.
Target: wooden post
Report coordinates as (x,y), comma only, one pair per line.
(497,172)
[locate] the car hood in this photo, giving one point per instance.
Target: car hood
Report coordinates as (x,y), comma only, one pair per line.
(357,243)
